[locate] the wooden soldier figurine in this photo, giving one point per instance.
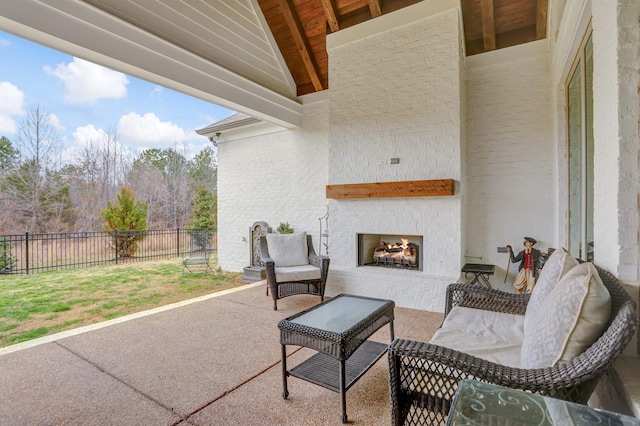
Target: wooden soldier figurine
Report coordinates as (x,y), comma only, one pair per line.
(529,259)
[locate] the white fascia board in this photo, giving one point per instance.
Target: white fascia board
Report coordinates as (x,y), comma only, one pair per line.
(252,130)
(81,30)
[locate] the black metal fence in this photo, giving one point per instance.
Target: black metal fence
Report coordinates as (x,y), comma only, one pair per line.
(28,253)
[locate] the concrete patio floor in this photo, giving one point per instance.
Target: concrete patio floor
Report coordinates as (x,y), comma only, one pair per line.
(210,361)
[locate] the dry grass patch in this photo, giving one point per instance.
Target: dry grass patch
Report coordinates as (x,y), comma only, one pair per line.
(49,302)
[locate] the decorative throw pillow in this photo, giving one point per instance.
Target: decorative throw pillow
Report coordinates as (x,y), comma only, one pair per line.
(288,249)
(573,316)
(558,264)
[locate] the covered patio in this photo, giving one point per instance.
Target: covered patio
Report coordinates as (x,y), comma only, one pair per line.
(212,360)
(410,92)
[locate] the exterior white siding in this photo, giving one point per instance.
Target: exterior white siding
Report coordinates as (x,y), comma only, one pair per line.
(279,177)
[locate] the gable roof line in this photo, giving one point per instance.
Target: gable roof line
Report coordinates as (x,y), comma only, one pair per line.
(80,29)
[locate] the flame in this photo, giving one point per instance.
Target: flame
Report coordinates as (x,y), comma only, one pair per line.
(404,245)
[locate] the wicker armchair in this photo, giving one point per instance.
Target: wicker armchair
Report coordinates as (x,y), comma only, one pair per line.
(440,369)
(286,281)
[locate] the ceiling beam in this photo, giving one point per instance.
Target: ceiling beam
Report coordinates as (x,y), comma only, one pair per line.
(295,27)
(488,24)
(330,14)
(374,7)
(541,19)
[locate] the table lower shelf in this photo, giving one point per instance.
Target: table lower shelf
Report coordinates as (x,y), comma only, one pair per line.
(323,370)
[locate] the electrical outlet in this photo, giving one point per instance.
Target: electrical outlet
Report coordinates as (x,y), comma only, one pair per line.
(502,249)
(395,161)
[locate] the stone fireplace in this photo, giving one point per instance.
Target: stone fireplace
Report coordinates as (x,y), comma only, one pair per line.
(390,251)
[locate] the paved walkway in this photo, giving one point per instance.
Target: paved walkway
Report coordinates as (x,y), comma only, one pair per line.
(210,361)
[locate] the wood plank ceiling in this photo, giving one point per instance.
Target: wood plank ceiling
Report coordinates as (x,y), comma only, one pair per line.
(300,28)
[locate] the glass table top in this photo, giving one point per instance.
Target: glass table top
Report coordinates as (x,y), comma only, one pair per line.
(340,314)
(478,403)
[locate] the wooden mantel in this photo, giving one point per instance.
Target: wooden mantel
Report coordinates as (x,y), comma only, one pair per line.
(407,188)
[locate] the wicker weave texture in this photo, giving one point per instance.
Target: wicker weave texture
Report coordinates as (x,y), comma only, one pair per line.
(337,345)
(423,377)
(284,289)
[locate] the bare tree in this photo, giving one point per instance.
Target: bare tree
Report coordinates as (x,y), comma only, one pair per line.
(96,177)
(161,179)
(147,181)
(177,181)
(35,190)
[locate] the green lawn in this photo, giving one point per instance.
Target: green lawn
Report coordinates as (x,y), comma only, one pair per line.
(36,305)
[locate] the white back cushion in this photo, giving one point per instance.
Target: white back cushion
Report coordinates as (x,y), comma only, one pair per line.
(572,318)
(288,249)
(558,264)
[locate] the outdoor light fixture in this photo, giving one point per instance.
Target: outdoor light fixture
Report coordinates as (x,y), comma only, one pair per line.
(214,139)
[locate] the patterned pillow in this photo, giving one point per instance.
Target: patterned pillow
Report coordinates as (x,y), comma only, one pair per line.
(288,249)
(574,315)
(558,264)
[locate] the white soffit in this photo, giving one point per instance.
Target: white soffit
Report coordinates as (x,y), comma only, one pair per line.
(220,51)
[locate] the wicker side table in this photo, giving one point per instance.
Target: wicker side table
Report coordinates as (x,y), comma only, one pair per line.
(338,329)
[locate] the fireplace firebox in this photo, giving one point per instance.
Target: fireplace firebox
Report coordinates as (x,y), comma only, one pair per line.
(390,251)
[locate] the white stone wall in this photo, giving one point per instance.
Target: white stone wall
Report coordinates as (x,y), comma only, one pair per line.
(398,91)
(278,177)
(615,26)
(615,57)
(510,155)
(615,81)
(396,94)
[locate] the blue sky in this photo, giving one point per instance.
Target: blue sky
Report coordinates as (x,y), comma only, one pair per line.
(84,100)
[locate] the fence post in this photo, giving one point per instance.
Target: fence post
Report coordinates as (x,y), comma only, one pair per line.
(178,242)
(116,244)
(26,244)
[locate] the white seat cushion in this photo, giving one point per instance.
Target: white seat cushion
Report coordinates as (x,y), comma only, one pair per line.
(297,273)
(493,336)
(288,249)
(574,315)
(558,264)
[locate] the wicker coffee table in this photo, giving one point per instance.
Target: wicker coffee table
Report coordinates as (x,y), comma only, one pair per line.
(338,329)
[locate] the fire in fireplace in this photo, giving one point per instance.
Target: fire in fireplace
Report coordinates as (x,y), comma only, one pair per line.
(396,254)
(393,251)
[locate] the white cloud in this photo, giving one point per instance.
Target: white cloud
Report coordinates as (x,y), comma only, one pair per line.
(157,92)
(149,130)
(12,104)
(86,82)
(85,135)
(4,42)
(83,138)
(55,122)
(90,137)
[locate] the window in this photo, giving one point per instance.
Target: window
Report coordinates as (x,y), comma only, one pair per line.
(579,89)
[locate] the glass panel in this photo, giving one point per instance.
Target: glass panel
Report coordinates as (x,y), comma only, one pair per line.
(339,314)
(588,95)
(479,403)
(574,101)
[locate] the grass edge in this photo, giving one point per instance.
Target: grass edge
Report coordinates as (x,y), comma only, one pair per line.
(87,328)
